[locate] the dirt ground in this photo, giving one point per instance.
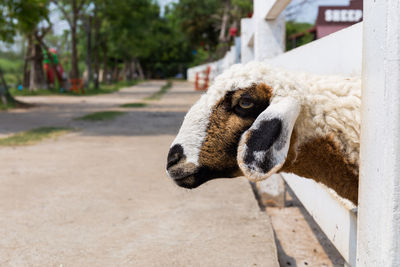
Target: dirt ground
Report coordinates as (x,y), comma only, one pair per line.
(100,196)
(299,240)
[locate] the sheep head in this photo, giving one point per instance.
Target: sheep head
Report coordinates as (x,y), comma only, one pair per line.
(240,126)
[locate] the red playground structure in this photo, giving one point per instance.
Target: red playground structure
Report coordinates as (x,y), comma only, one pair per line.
(54,69)
(204,85)
(50,73)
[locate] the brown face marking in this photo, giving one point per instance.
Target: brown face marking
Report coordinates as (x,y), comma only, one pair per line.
(228,121)
(322,160)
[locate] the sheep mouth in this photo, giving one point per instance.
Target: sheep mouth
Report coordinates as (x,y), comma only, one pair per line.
(185,179)
(182,171)
(193,181)
(188,182)
(201,176)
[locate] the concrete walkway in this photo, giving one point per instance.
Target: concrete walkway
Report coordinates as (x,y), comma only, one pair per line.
(100,196)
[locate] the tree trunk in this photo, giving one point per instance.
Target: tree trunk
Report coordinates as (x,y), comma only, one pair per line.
(40,77)
(3,89)
(131,70)
(224,23)
(127,70)
(5,96)
(25,83)
(75,13)
(36,75)
(89,52)
(140,70)
(115,72)
(96,49)
(96,70)
(74,70)
(105,69)
(32,84)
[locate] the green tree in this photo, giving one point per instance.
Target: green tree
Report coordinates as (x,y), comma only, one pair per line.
(168,50)
(24,17)
(199,21)
(293,28)
(72,10)
(207,23)
(122,36)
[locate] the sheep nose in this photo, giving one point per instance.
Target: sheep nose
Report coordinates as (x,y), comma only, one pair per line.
(175,154)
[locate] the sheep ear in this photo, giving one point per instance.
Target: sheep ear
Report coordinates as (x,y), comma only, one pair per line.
(264,146)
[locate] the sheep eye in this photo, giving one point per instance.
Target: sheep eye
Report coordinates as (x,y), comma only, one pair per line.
(246,103)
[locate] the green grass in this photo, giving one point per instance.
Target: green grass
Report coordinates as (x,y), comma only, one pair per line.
(12,68)
(33,136)
(104,89)
(8,106)
(161,92)
(134,105)
(26,92)
(101,116)
(13,103)
(8,65)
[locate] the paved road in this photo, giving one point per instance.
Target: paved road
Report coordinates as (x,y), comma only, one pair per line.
(100,196)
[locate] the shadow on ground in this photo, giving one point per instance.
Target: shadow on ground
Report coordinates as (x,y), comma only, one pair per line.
(157,118)
(133,123)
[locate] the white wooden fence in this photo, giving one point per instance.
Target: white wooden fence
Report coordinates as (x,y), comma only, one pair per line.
(370,49)
(379,195)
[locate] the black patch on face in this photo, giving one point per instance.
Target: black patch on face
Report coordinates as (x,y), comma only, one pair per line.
(261,140)
(264,137)
(175,155)
(282,140)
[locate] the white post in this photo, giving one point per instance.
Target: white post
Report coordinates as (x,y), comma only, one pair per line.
(246,42)
(263,37)
(379,210)
(269,35)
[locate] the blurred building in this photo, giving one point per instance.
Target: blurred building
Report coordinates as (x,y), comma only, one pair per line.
(331,19)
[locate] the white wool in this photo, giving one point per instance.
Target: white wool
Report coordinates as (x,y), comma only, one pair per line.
(194,128)
(330,105)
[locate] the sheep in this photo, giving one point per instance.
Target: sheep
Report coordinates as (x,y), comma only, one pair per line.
(257,120)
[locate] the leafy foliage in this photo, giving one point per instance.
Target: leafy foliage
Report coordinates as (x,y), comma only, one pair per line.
(126,32)
(12,67)
(199,20)
(22,16)
(130,31)
(294,28)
